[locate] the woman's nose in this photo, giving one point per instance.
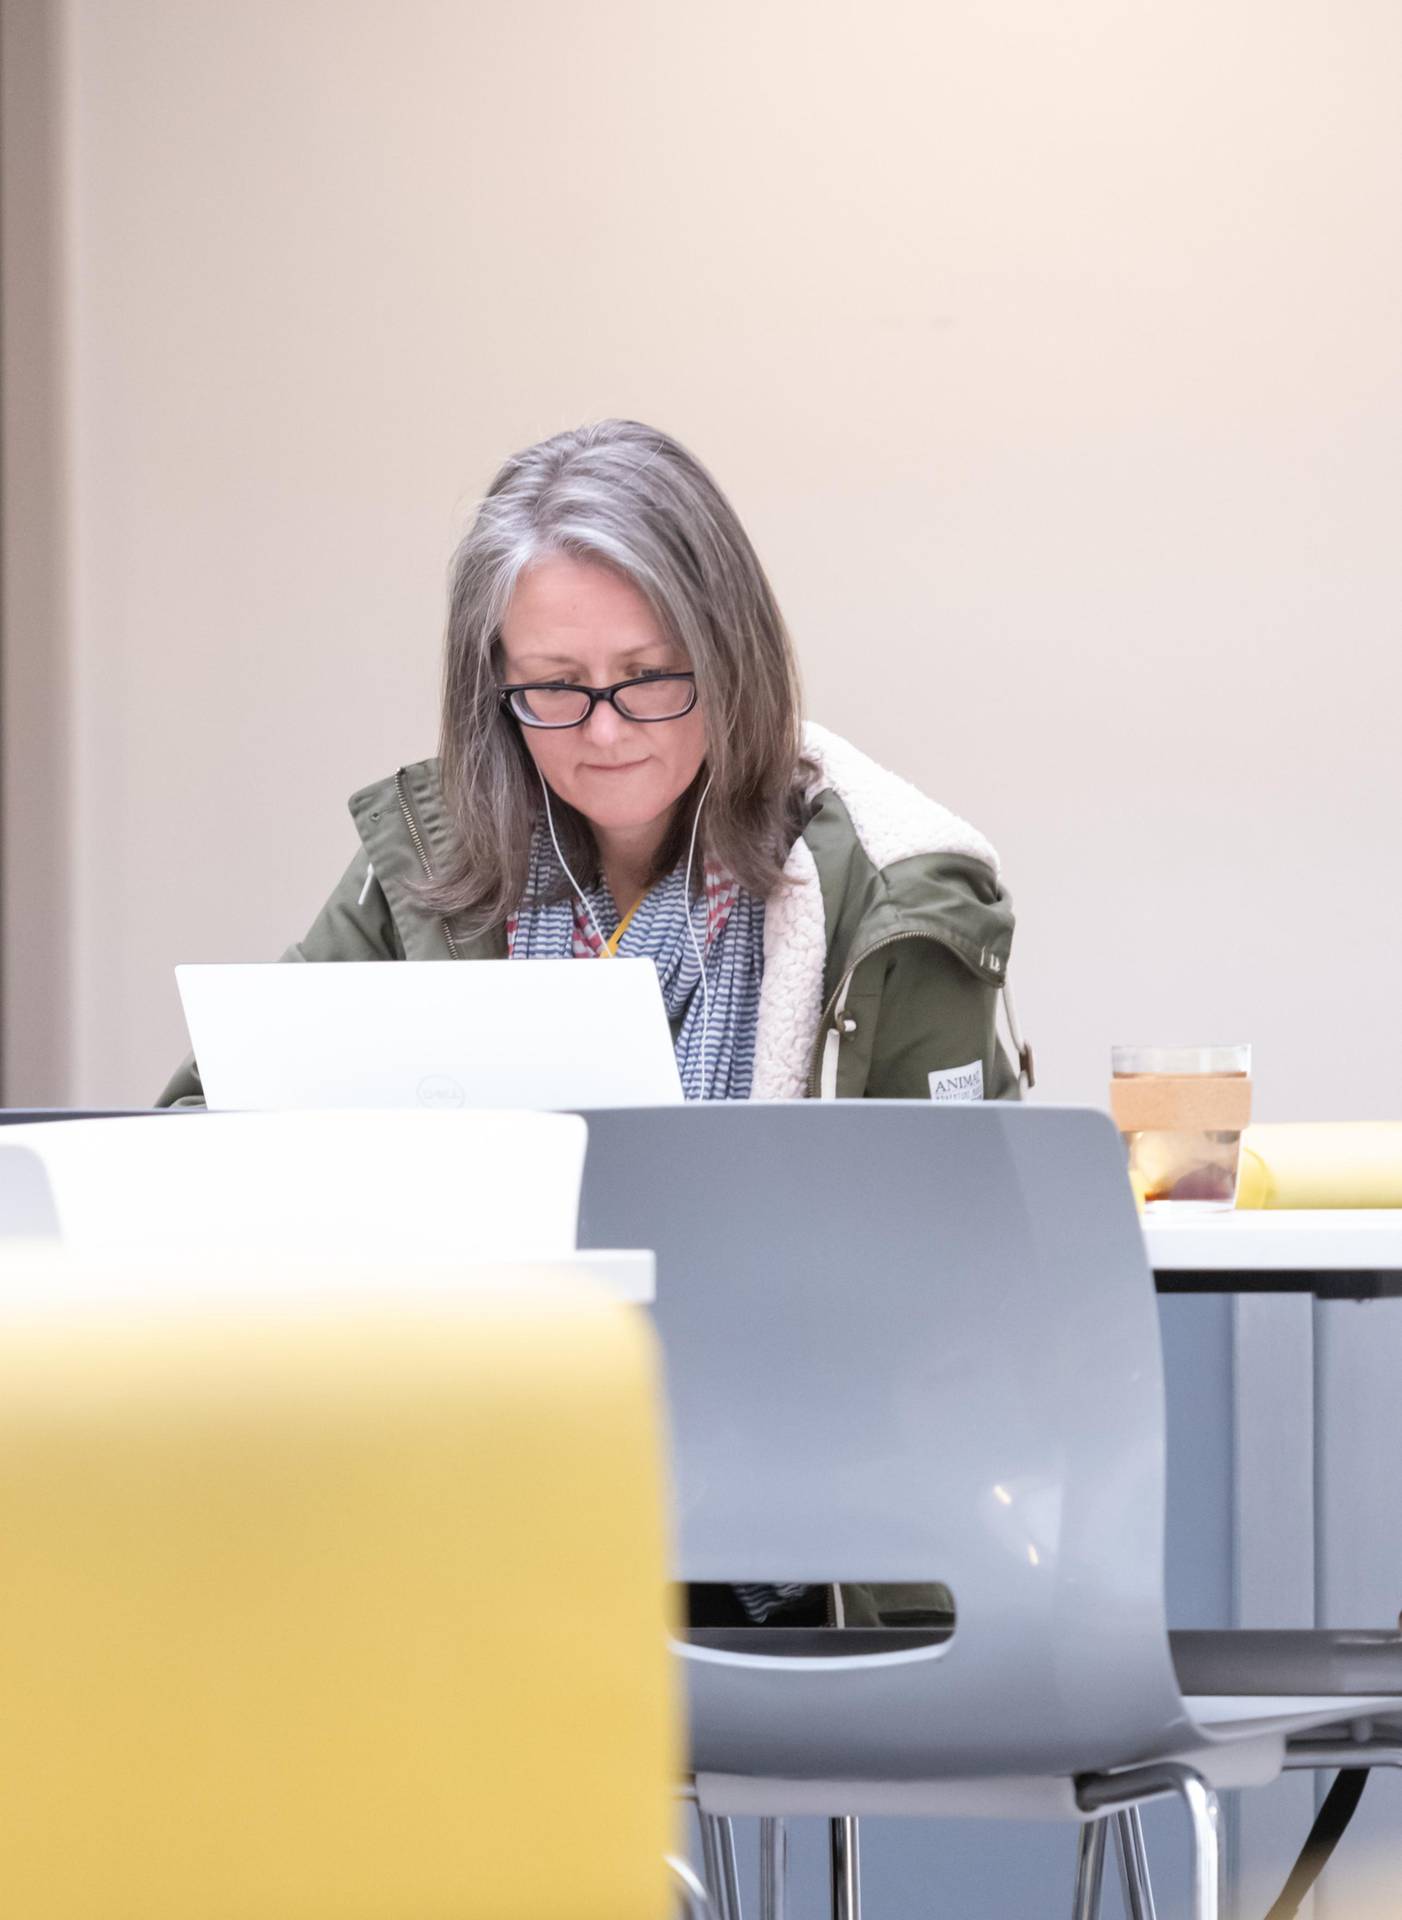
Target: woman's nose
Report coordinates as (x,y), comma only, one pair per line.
(604,724)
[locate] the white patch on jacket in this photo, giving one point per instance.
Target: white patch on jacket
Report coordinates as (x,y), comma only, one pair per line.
(893,821)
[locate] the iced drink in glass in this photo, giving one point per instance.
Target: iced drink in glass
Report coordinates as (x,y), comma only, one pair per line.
(1182,1111)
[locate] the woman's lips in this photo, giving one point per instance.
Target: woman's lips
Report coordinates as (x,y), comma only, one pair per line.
(614,766)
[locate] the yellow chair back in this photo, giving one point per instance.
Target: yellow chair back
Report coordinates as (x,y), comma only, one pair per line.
(342,1605)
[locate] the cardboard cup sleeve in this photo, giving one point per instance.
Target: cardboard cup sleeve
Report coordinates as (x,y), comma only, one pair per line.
(1181,1102)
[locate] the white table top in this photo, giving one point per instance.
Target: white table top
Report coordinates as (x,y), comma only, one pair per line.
(44,1269)
(627,1274)
(1290,1240)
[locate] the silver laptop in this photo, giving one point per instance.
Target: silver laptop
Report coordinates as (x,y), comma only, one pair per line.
(497,1033)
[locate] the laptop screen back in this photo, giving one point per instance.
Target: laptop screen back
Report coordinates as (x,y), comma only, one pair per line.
(495,1033)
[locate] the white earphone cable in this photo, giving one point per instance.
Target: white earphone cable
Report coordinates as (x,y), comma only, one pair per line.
(686,896)
(584,898)
(695,943)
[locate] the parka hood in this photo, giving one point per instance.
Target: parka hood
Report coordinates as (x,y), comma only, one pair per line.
(892,819)
(878,861)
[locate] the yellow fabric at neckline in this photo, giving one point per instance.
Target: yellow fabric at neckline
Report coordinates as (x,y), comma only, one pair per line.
(611,944)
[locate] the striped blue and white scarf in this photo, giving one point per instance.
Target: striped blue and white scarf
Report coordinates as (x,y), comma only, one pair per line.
(731,942)
(732,948)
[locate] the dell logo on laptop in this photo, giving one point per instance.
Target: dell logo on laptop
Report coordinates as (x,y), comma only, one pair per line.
(440,1090)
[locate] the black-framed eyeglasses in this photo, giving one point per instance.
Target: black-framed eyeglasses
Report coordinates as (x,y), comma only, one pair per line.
(547,703)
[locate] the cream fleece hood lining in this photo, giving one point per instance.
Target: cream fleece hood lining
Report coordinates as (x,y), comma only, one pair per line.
(893,821)
(892,818)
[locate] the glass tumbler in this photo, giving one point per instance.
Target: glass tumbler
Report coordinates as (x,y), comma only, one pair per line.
(1181,1111)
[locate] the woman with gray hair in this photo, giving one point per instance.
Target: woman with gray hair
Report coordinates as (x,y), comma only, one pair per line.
(623,770)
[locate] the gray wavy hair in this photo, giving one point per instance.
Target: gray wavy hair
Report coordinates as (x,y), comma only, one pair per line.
(631,498)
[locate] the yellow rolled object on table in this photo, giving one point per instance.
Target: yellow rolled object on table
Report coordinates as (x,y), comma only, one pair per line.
(1353,1163)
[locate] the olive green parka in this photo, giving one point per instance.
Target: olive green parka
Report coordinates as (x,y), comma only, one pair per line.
(884,957)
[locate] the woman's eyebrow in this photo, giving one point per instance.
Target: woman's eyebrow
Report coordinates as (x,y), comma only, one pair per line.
(572,660)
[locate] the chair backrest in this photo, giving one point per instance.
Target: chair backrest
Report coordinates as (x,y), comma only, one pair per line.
(27,1209)
(908,1342)
(333,1602)
(466,1184)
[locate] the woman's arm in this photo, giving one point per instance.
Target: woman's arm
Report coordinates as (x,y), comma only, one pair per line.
(355,924)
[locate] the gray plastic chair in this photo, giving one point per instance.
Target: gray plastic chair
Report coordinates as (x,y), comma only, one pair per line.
(908,1343)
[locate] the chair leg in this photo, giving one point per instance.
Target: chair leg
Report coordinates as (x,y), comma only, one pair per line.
(718,1857)
(1134,1865)
(1090,1870)
(1201,1803)
(710,1861)
(845,1868)
(691,1894)
(773,1869)
(1114,1792)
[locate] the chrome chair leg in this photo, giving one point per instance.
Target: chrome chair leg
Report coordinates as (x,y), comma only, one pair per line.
(845,1867)
(1201,1803)
(710,1861)
(773,1869)
(1134,1865)
(1090,1870)
(1115,1792)
(718,1858)
(691,1895)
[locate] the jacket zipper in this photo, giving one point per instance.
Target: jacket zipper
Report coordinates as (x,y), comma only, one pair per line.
(832,1012)
(401,789)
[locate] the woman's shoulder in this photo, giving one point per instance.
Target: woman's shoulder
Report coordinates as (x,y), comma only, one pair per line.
(403,819)
(417,781)
(407,843)
(884,815)
(894,864)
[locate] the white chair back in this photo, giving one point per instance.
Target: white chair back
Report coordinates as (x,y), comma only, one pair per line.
(26,1197)
(471,1185)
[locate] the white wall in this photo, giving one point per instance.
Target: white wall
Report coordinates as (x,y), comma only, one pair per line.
(1050,353)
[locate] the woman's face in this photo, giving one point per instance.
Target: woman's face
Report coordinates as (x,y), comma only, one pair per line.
(576,621)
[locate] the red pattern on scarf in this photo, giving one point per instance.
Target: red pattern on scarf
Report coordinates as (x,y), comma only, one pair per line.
(722,890)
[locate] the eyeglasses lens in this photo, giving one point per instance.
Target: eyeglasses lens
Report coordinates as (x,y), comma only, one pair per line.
(660,699)
(550,706)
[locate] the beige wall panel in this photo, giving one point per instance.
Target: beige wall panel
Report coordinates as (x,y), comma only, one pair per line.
(1049,352)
